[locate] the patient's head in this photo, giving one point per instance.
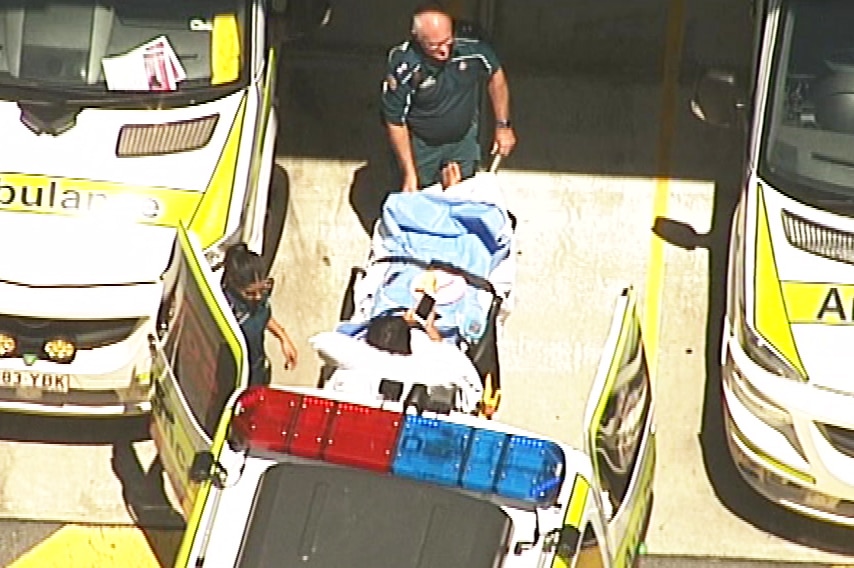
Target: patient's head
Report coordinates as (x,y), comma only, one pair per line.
(389,333)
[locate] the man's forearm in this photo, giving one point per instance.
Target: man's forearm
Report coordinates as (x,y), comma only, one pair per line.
(399,137)
(499,94)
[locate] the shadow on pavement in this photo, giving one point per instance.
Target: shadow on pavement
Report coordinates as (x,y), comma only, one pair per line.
(76,430)
(277,211)
(145,498)
(371,185)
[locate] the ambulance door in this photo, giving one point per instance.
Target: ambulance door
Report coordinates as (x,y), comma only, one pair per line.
(620,437)
(199,363)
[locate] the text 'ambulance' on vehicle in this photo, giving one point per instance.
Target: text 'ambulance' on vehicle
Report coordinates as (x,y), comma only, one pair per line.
(789,325)
(121,120)
(310,477)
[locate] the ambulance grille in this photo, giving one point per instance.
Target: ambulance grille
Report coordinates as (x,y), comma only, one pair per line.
(168,138)
(840,438)
(818,239)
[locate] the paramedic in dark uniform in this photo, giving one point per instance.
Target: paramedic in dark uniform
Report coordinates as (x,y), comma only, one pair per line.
(430,100)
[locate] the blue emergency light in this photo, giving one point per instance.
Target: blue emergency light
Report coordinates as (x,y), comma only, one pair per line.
(425,449)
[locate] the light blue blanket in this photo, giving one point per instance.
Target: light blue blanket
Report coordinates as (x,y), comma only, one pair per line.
(471,235)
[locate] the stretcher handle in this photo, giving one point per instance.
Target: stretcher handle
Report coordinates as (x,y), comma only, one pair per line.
(496,161)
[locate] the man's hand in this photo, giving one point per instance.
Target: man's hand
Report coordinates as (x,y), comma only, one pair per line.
(504,141)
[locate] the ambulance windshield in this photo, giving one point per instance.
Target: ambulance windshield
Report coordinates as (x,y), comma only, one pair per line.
(100,47)
(808,146)
(315,516)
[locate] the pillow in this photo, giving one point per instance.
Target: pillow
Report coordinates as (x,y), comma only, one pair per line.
(350,353)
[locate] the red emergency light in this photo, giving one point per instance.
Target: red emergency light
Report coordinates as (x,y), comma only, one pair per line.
(318,428)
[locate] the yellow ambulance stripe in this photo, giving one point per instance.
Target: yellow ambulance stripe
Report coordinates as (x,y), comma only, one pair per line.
(771,317)
(574,515)
(26,193)
(225,49)
(577,502)
(812,302)
(211,216)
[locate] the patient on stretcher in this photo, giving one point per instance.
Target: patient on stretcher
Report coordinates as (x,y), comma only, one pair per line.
(395,349)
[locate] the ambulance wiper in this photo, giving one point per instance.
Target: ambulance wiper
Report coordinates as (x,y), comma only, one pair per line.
(30,92)
(832,160)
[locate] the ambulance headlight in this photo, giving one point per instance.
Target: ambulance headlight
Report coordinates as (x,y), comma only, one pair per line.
(59,350)
(8,344)
(763,354)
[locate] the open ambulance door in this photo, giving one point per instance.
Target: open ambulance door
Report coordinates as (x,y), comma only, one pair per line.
(199,362)
(619,437)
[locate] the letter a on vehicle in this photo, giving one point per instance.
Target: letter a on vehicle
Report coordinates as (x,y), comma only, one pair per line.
(199,359)
(620,436)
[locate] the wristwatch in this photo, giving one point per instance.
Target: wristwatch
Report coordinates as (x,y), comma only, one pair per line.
(502,123)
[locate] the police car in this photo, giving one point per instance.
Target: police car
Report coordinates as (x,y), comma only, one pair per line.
(120,121)
(301,476)
(788,331)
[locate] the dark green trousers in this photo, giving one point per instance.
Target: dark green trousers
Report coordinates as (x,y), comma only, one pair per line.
(429,159)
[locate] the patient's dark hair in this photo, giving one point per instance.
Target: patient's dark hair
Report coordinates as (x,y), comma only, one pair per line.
(389,333)
(242,267)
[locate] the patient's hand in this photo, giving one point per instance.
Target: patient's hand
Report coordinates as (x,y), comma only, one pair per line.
(451,175)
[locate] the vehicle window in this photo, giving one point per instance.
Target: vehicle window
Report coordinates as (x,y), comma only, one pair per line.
(809,125)
(77,43)
(620,430)
(201,360)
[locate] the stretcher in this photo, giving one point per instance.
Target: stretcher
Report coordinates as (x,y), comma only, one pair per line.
(456,244)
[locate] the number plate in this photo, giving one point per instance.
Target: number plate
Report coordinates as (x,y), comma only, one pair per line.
(49,382)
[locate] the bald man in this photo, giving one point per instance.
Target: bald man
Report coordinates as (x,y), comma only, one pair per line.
(429,100)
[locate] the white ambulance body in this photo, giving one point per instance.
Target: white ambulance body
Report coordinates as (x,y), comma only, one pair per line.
(789,327)
(120,121)
(272,476)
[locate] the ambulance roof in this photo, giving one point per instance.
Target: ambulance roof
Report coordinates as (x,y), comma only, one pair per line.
(320,516)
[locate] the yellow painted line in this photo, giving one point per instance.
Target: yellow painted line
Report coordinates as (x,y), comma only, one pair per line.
(655,273)
(78,546)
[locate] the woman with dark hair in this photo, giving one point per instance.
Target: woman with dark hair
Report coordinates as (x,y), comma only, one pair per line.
(247,290)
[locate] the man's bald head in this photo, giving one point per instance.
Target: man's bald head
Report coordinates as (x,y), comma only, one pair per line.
(433,28)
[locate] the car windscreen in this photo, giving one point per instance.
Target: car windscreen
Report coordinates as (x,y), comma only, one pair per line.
(314,516)
(99,47)
(808,146)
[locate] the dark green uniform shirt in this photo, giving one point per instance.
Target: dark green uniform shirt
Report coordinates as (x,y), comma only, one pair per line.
(438,102)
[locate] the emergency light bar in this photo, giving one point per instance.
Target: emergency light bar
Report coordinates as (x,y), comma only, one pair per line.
(405,445)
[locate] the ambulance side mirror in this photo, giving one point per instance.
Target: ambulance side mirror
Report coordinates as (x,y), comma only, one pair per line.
(717,98)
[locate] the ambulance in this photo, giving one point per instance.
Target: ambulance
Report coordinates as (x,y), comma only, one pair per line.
(121,120)
(788,333)
(296,476)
